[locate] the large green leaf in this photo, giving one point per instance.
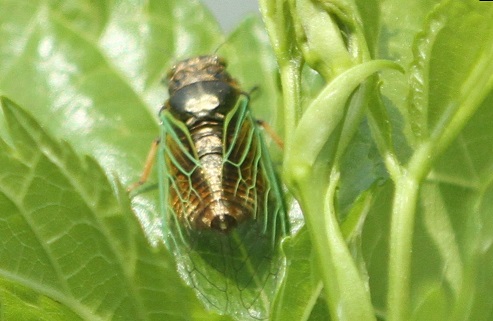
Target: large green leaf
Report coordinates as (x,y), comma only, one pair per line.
(70,244)
(92,73)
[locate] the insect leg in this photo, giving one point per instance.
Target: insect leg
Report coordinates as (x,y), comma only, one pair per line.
(271,132)
(268,129)
(151,157)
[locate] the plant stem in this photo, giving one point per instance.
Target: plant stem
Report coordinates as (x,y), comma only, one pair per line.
(290,79)
(401,237)
(347,296)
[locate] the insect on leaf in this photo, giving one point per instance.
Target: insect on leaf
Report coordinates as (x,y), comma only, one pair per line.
(223,214)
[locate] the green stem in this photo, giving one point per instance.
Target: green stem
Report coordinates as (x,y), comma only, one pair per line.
(290,78)
(314,223)
(346,293)
(401,236)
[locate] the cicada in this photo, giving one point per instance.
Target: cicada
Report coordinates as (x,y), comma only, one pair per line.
(223,212)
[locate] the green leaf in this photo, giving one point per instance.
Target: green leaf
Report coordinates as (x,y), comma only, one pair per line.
(395,41)
(91,74)
(301,286)
(323,116)
(22,303)
(443,98)
(434,305)
(69,236)
(456,234)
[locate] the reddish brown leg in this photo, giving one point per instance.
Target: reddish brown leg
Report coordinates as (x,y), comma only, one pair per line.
(151,157)
(271,132)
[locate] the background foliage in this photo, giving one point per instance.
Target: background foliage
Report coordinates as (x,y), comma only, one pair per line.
(87,76)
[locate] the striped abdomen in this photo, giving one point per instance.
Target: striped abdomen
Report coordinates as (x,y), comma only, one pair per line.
(223,184)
